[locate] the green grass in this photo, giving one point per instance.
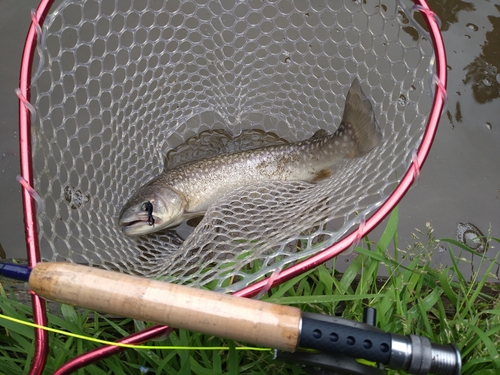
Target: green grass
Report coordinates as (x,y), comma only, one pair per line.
(438,303)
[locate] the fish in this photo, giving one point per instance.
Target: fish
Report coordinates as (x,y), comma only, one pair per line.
(188,190)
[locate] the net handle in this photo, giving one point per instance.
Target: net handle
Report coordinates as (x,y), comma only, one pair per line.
(215,314)
(29,209)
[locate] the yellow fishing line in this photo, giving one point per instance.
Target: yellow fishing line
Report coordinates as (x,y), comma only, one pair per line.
(131,346)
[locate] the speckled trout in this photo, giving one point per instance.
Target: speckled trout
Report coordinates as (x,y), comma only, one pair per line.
(188,190)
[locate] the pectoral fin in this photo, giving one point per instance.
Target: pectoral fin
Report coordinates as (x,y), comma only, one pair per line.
(191,214)
(322,175)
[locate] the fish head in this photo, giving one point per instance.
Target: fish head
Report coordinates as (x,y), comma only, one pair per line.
(150,209)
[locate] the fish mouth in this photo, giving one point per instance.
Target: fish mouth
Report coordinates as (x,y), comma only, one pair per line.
(139,225)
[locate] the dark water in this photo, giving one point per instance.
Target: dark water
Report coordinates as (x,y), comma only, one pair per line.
(459,184)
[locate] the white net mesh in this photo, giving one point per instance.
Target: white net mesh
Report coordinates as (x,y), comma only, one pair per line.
(121,83)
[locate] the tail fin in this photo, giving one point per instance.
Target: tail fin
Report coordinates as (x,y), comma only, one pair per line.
(359,116)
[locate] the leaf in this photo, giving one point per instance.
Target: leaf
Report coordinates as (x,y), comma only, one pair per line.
(233,359)
(296,300)
(490,346)
(444,283)
(389,231)
(325,278)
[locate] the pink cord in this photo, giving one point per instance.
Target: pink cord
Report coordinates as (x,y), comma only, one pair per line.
(269,284)
(429,13)
(27,104)
(36,24)
(441,88)
(359,233)
(415,167)
(32,192)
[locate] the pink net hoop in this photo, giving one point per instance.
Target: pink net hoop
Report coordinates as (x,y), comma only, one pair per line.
(26,115)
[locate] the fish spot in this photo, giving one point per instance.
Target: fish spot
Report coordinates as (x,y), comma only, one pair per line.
(337,143)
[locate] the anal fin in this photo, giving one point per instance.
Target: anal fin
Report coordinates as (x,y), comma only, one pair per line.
(321,133)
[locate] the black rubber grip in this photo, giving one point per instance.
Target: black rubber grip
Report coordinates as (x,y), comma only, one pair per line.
(335,338)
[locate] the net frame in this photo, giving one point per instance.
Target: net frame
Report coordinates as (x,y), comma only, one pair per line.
(26,111)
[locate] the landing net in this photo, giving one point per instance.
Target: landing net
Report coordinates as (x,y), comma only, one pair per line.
(116,85)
